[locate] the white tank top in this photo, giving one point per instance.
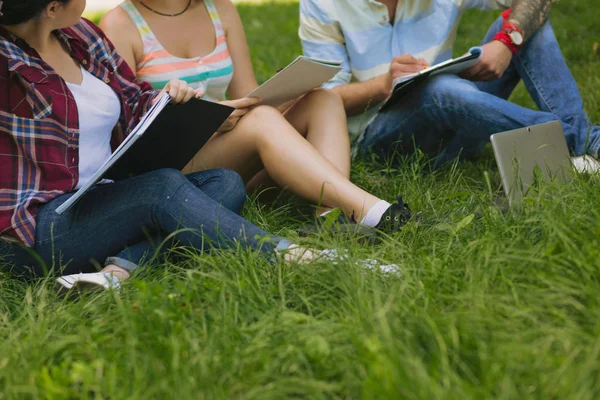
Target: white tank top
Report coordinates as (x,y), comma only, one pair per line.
(99,110)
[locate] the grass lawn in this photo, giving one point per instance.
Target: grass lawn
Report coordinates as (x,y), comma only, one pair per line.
(488,305)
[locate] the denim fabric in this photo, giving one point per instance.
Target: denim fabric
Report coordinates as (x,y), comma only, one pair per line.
(125,220)
(448,116)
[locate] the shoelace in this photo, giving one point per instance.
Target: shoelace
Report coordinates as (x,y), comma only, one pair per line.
(403,209)
(397,215)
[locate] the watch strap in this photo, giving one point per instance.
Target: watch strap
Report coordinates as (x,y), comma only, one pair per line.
(504,38)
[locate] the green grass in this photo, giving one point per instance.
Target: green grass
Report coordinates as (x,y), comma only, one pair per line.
(488,305)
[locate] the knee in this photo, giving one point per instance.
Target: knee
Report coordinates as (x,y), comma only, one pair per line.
(449,91)
(167,178)
(263,115)
(324,98)
(232,190)
(224,186)
(162,184)
(263,122)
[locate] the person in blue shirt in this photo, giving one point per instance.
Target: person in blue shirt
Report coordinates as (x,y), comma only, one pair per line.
(448,115)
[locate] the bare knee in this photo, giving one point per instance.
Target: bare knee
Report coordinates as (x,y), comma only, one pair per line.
(324,98)
(263,121)
(264,114)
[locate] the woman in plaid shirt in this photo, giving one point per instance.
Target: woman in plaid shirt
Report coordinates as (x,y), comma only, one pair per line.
(58,87)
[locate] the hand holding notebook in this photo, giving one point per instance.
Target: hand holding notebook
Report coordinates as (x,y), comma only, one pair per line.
(168,136)
(453,66)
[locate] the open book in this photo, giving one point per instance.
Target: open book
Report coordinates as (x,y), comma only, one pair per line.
(301,76)
(168,136)
(453,66)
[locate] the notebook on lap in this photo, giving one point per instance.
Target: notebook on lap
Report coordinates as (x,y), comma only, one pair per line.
(404,84)
(524,155)
(168,136)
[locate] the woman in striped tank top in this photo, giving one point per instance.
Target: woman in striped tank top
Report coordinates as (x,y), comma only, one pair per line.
(304,147)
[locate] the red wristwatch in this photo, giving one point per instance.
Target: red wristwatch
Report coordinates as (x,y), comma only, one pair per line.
(512,36)
(515,33)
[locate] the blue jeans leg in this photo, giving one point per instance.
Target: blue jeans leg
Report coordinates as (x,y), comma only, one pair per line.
(542,67)
(449,116)
(223,186)
(126,213)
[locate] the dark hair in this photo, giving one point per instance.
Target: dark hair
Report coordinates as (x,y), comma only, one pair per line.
(16,12)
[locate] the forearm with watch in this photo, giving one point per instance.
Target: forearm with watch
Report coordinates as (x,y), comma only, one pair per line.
(522,21)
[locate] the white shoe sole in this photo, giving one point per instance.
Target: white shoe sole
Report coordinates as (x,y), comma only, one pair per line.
(64,286)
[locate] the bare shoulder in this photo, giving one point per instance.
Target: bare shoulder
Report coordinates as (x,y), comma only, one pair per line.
(121,30)
(228,13)
(117,24)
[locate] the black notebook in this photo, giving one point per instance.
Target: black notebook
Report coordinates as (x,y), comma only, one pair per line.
(453,66)
(168,136)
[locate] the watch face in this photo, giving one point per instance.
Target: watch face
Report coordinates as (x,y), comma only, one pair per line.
(516,37)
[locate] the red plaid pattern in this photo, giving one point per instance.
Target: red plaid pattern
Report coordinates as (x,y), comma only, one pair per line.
(39,126)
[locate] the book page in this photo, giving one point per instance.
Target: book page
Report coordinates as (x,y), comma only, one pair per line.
(301,76)
(135,134)
(452,66)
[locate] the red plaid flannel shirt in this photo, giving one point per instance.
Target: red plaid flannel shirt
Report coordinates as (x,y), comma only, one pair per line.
(39,126)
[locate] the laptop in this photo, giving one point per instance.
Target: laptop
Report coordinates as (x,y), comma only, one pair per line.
(529,154)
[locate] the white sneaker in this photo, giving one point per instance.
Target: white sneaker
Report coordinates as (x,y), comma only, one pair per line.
(92,281)
(586,165)
(334,255)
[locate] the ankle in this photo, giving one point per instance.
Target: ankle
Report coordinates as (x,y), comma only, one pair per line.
(116,271)
(298,254)
(375,213)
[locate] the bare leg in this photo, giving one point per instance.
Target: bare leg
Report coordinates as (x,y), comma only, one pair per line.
(320,118)
(265,139)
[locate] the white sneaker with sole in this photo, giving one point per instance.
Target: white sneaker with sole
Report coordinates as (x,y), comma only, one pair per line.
(334,255)
(91,281)
(586,165)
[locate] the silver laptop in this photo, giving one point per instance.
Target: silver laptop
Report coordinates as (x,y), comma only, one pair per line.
(527,154)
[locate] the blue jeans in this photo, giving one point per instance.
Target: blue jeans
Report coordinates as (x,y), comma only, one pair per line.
(122,223)
(448,116)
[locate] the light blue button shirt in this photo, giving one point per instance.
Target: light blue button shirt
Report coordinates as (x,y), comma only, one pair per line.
(359,33)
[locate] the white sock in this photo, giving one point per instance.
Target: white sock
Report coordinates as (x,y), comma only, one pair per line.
(375,213)
(325,213)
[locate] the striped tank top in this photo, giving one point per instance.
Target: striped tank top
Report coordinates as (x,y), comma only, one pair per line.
(212,72)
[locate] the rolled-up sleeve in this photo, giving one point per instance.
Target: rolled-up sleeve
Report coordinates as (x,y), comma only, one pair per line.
(322,38)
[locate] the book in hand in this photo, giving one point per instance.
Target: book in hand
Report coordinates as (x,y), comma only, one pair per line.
(168,136)
(453,66)
(301,76)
